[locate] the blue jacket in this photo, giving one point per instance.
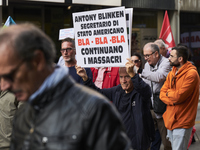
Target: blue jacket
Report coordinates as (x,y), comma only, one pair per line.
(139,106)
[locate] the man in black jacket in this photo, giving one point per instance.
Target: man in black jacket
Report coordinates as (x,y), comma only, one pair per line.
(132,99)
(58,113)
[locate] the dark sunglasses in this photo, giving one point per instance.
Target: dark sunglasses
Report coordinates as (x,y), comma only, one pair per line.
(147,56)
(67,49)
(136,61)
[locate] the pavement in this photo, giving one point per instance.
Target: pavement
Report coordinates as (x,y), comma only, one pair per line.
(195,145)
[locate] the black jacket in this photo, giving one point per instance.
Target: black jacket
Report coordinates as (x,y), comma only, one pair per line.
(68,117)
(139,106)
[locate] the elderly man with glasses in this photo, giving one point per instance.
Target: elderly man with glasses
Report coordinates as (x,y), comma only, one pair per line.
(154,73)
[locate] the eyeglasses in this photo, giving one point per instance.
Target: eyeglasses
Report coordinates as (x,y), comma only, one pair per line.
(136,61)
(147,56)
(10,76)
(67,49)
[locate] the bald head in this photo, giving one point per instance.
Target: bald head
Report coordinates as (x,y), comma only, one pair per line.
(160,43)
(162,47)
(152,46)
(151,53)
(125,80)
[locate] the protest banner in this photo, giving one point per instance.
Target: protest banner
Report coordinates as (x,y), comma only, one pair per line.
(129,19)
(101,38)
(64,33)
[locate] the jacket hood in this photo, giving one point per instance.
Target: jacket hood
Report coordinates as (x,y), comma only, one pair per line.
(185,68)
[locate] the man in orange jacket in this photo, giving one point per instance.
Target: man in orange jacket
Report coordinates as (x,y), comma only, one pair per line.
(181,94)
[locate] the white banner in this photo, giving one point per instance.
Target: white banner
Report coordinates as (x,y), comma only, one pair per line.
(64,33)
(129,20)
(101,38)
(4,2)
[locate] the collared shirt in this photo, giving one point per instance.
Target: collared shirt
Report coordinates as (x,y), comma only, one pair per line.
(100,77)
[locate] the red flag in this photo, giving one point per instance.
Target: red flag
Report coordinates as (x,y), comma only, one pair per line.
(166,32)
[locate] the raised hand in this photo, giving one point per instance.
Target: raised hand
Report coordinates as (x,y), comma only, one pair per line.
(81,72)
(129,67)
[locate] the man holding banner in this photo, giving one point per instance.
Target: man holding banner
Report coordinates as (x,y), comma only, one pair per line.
(102,42)
(131,102)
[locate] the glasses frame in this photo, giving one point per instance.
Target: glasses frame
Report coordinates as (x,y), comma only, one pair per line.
(136,61)
(67,49)
(148,55)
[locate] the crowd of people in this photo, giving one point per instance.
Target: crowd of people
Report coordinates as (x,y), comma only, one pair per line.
(64,106)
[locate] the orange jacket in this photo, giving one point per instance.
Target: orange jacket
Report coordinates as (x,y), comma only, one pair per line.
(181,94)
